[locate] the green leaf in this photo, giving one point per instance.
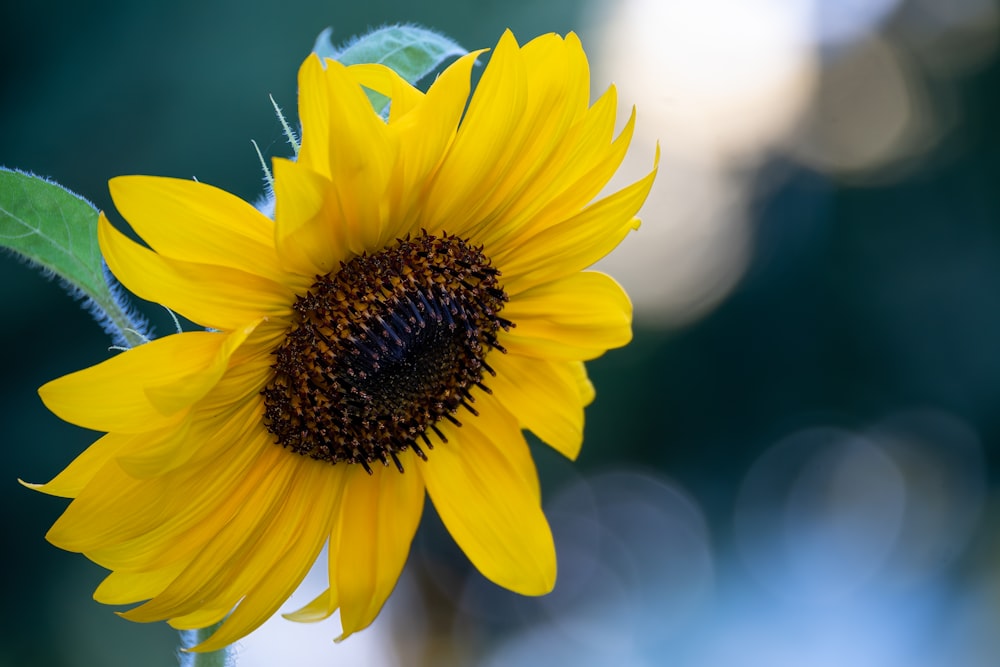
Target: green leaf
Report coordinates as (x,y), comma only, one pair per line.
(411,51)
(57,230)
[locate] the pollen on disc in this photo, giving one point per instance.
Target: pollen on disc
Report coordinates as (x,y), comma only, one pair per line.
(383,350)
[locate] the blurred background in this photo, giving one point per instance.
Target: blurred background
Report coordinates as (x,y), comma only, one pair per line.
(795,462)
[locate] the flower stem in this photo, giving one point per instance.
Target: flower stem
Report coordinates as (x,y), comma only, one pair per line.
(224,657)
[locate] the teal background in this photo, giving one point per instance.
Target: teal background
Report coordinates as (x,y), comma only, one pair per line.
(860,300)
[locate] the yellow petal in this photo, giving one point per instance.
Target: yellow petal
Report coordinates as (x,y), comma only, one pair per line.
(196,222)
(556,97)
(145,387)
(202,618)
(578,317)
(314,116)
(305,228)
(203,435)
(570,178)
(425,134)
(321,223)
(354,149)
(224,564)
(500,426)
(385,81)
(490,508)
(476,158)
(351,137)
(248,373)
(84,467)
(378,520)
(285,555)
(145,452)
(576,243)
(128,587)
(320,608)
(213,296)
(544,396)
(174,395)
(583,383)
(174,513)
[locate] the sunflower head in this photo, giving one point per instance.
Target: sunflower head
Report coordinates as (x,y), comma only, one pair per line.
(419,298)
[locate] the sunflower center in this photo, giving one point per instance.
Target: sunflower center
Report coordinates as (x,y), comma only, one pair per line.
(384,349)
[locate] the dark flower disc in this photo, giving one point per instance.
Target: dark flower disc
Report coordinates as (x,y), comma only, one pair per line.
(383,349)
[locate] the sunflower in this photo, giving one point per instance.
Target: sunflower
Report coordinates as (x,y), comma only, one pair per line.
(418,299)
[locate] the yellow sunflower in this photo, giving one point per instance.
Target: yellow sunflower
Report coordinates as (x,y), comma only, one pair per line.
(418,299)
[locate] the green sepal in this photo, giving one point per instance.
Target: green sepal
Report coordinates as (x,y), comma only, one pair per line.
(411,51)
(56,230)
